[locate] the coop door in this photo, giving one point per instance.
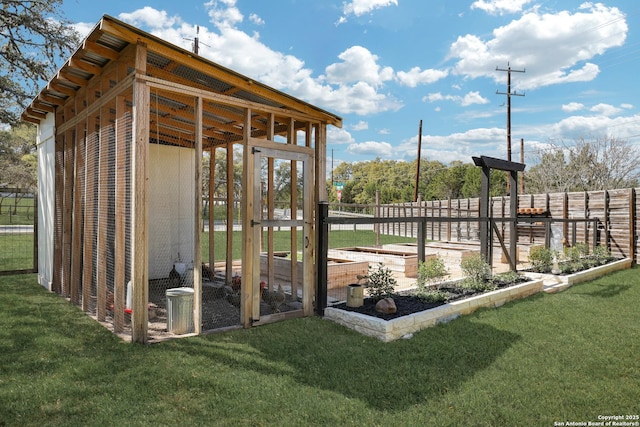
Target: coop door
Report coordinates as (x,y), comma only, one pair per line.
(282,210)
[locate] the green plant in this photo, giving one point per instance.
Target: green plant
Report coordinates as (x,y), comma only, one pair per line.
(433,295)
(380,282)
(576,252)
(508,277)
(541,259)
(431,271)
(601,253)
(476,268)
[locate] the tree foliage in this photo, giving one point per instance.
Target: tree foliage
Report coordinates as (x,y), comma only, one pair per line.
(34,36)
(587,165)
(395,180)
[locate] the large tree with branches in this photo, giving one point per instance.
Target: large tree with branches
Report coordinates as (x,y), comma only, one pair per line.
(34,37)
(604,163)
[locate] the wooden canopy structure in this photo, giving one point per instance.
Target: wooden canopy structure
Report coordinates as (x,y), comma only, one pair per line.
(124,91)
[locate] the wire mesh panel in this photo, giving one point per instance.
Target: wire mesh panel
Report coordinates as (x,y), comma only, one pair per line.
(18,213)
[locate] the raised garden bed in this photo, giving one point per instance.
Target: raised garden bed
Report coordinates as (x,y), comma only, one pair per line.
(404,262)
(390,330)
(559,282)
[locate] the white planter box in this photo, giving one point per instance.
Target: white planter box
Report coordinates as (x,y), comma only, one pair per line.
(390,330)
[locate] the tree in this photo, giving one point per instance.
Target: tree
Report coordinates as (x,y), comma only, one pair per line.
(599,164)
(18,160)
(33,38)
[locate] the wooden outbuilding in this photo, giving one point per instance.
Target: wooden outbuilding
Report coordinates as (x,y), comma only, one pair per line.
(126,128)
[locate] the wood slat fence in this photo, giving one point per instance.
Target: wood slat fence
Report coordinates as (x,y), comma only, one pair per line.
(615,210)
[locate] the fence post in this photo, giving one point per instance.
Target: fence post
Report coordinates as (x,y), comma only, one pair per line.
(323,248)
(422,237)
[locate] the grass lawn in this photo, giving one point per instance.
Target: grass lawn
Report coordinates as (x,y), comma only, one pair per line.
(569,356)
(16,251)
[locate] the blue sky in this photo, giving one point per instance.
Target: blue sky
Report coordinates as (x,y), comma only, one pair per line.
(384,65)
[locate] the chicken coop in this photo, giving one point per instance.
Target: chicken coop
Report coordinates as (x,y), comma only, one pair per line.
(161,171)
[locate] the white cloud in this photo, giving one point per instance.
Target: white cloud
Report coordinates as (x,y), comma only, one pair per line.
(350,86)
(384,131)
(362,7)
(371,148)
(469,99)
(572,106)
(500,7)
(605,109)
(338,136)
(358,65)
(556,47)
(415,76)
(361,125)
(256,19)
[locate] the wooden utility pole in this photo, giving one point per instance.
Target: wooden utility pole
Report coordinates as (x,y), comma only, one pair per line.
(415,194)
(509,94)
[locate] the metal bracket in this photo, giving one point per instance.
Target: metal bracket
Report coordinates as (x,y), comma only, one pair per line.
(254,150)
(254,223)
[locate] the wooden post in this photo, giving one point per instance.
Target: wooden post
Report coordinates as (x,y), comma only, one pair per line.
(76,244)
(249,312)
(212,175)
(270,202)
(119,244)
(67,212)
(140,208)
(56,285)
(90,190)
(197,221)
(230,202)
(103,206)
(291,139)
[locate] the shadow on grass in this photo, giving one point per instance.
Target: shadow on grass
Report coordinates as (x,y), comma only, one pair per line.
(391,376)
(606,290)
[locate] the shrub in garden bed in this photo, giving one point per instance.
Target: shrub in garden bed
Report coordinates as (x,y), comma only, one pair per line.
(571,260)
(430,291)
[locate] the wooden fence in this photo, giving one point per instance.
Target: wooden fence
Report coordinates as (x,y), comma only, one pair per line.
(615,210)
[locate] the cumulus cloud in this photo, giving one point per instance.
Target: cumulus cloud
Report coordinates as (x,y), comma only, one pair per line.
(353,84)
(362,7)
(338,136)
(572,106)
(358,65)
(361,125)
(256,19)
(500,7)
(416,76)
(371,148)
(556,46)
(470,98)
(605,109)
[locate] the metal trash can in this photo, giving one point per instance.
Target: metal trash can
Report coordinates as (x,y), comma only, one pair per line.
(180,310)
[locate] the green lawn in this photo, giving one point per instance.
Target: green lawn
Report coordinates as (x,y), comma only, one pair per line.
(564,357)
(20,213)
(16,251)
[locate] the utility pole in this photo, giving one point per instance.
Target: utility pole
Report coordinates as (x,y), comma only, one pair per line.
(415,194)
(509,94)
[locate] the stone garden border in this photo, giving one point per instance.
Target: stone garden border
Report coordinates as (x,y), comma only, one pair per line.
(556,283)
(390,330)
